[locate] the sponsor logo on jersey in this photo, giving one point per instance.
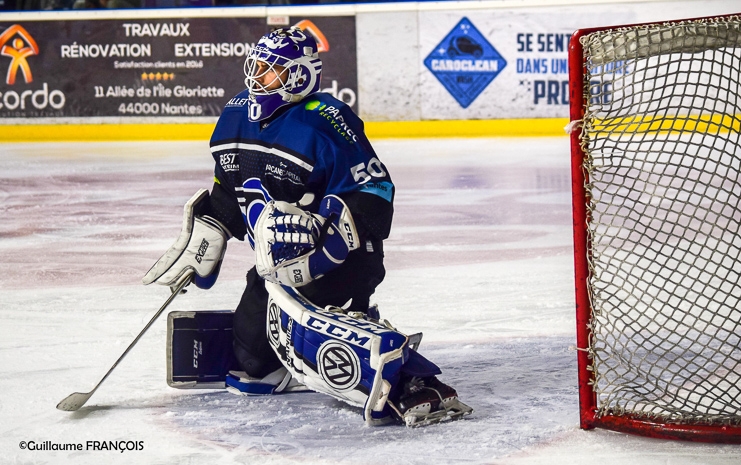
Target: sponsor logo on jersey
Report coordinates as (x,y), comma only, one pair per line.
(384,189)
(228,162)
(339,366)
(283,173)
(237,102)
(314,104)
(465,63)
(332,114)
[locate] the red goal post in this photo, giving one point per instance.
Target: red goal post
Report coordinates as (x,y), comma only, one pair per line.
(655,114)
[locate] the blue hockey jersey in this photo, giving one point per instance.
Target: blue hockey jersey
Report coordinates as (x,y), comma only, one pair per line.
(304,152)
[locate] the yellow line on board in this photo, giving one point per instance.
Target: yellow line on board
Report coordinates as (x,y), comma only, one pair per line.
(104,132)
(717,123)
(202,131)
(468,128)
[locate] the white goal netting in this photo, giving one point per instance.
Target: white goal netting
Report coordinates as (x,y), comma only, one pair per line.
(663,169)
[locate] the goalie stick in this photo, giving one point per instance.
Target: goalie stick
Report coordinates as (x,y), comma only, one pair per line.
(76,400)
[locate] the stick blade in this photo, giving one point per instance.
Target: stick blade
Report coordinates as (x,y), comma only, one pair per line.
(73,401)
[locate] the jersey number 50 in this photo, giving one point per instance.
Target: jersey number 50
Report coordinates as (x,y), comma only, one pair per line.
(363,174)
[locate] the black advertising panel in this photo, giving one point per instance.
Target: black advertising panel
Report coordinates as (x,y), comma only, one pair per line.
(175,67)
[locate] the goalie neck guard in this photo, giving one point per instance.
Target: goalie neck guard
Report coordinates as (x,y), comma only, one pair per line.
(284,67)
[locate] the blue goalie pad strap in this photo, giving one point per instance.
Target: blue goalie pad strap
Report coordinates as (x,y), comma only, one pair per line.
(356,361)
(278,382)
(380,418)
(417,365)
(248,387)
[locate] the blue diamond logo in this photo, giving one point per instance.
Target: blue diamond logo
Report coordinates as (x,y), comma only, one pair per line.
(465,62)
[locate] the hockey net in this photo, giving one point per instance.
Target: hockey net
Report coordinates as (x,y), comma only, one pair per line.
(656,116)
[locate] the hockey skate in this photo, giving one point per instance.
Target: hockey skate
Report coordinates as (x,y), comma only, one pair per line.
(426,401)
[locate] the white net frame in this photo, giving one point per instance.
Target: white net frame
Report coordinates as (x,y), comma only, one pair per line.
(662,161)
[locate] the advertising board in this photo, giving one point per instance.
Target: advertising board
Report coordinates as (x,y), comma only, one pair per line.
(182,67)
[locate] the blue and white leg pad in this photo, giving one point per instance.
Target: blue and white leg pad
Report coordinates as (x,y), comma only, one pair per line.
(354,360)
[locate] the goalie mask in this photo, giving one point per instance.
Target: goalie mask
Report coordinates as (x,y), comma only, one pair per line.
(284,67)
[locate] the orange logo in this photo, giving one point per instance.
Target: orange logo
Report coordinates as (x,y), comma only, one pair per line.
(17,43)
(321,40)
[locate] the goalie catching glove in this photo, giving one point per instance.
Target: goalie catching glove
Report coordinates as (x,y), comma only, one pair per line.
(295,247)
(200,248)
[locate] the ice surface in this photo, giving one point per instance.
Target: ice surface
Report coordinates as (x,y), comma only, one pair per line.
(479,260)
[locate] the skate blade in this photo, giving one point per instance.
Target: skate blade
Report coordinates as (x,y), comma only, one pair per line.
(455,410)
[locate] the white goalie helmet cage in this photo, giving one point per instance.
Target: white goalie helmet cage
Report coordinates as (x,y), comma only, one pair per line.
(291,56)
